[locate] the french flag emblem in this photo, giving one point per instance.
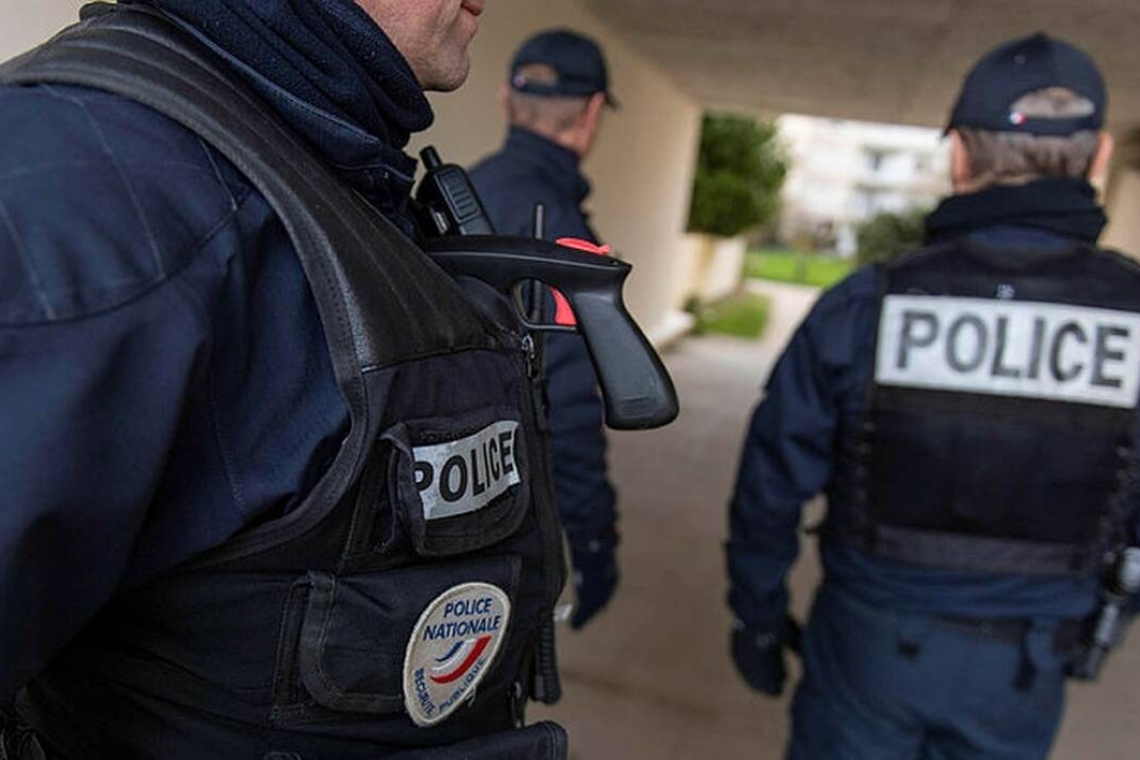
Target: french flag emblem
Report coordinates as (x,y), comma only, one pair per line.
(459,660)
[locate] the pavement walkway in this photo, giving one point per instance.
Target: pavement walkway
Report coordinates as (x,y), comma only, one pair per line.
(651,677)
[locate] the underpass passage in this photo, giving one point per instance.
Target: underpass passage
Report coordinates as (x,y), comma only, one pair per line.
(652,677)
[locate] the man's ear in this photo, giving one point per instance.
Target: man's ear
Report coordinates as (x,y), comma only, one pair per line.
(1098,168)
(594,108)
(961,172)
(504,99)
(592,115)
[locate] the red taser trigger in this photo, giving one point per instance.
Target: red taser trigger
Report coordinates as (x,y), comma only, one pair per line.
(563,314)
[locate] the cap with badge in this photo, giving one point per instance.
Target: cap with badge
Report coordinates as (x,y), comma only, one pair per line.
(1015,69)
(577,63)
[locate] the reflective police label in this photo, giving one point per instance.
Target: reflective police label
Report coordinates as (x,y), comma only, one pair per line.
(452,648)
(464,476)
(1074,354)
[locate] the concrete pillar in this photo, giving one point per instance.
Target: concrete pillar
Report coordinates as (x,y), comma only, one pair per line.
(716,269)
(1122,198)
(25,24)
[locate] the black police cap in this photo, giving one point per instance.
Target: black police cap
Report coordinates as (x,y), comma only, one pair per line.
(577,62)
(1026,65)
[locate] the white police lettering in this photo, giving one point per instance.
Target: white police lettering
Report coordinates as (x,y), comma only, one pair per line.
(1073,354)
(451,649)
(464,476)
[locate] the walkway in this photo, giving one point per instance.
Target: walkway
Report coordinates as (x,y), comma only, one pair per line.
(651,677)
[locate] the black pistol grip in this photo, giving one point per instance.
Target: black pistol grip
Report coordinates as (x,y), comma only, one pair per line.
(636,389)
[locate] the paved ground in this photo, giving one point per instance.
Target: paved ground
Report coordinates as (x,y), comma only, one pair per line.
(651,677)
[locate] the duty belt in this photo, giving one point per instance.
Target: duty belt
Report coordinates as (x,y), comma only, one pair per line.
(1066,634)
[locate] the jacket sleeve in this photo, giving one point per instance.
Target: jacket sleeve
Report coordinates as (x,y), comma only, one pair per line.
(788,450)
(586,499)
(89,408)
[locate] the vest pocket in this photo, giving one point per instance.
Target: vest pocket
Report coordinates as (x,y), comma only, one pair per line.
(341,654)
(441,487)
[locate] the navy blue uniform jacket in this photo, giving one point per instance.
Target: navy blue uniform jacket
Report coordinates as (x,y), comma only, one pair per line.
(164,378)
(531,169)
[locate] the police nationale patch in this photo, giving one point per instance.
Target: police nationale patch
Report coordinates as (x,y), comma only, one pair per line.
(463,476)
(452,648)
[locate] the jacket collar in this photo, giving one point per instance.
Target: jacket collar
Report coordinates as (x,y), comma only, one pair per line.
(1065,210)
(558,164)
(332,74)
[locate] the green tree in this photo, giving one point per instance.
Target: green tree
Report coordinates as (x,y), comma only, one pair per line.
(886,235)
(740,170)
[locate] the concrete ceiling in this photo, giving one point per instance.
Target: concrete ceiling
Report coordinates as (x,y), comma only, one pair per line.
(878,60)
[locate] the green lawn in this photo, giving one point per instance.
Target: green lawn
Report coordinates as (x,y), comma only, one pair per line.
(742,315)
(820,270)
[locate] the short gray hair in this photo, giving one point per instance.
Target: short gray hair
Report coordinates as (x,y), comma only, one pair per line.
(1013,158)
(544,113)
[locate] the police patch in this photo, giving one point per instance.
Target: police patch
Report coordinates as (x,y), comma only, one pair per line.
(1057,352)
(463,476)
(452,648)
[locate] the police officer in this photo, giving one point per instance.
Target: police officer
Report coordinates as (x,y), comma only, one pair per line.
(555,98)
(969,411)
(252,510)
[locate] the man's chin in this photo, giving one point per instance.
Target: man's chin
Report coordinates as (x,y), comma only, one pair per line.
(450,80)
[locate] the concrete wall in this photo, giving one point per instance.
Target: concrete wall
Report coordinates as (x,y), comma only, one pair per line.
(1123,232)
(641,168)
(24,23)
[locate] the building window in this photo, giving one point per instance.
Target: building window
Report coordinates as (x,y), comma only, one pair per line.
(875,159)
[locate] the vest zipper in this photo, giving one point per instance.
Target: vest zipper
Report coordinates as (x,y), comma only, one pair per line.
(544,686)
(549,524)
(530,357)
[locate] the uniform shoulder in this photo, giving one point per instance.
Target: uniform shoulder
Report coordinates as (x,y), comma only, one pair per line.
(506,168)
(842,321)
(509,189)
(859,289)
(1123,261)
(101,198)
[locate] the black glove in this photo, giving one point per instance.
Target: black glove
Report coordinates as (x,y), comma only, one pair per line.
(758,653)
(595,578)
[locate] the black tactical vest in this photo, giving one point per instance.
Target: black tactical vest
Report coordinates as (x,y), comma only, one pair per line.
(998,431)
(398,607)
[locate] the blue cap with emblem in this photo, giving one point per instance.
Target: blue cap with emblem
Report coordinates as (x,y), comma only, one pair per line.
(576,66)
(1015,69)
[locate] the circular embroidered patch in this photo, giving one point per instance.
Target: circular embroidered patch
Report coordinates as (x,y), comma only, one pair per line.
(452,648)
